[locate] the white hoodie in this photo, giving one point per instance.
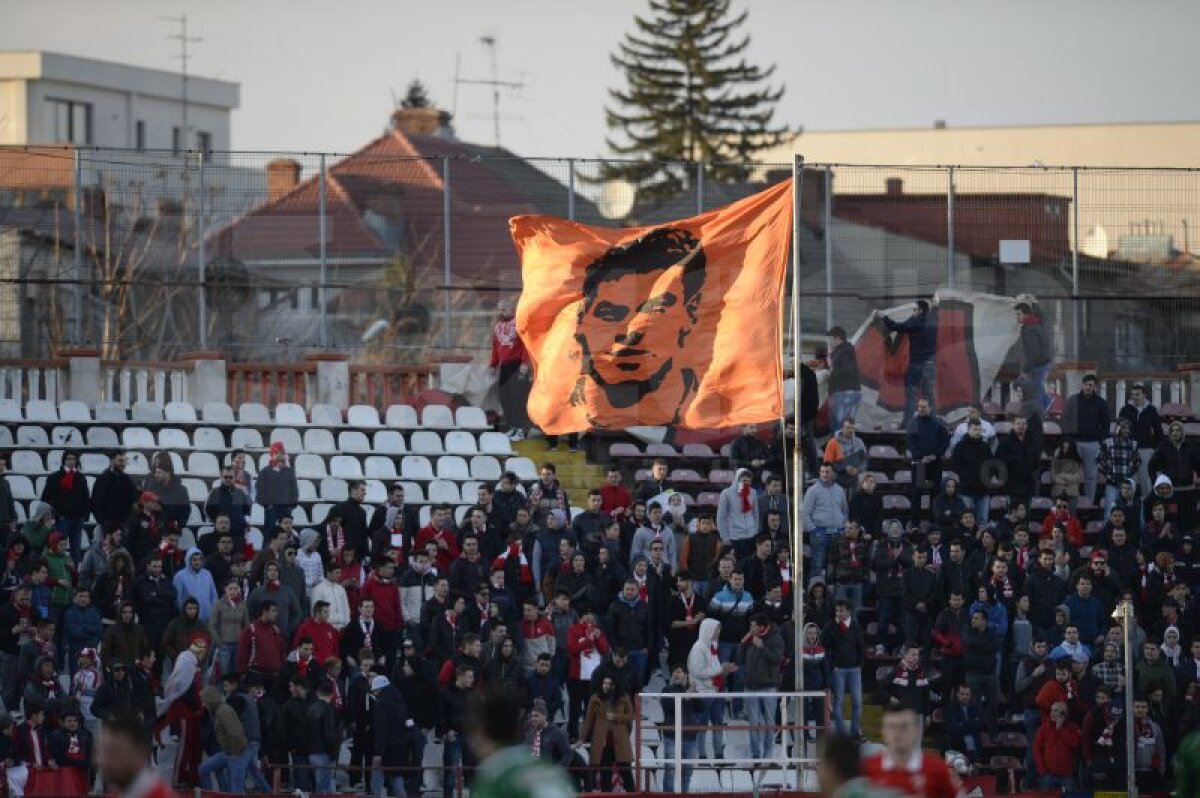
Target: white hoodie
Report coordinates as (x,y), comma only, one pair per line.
(703,665)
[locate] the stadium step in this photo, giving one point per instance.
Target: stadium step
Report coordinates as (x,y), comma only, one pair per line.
(577,475)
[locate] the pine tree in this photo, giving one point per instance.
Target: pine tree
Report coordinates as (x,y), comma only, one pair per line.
(690,96)
(417,96)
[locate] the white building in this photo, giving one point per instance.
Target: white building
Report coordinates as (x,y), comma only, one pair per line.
(51,98)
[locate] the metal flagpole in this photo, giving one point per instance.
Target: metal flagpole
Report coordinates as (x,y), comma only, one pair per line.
(797,469)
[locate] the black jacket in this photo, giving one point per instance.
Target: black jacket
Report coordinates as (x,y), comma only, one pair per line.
(295,721)
(390,725)
(230,501)
(747,448)
(843,369)
(116,698)
(920,586)
(1146,425)
(155,602)
(113,495)
(1035,345)
(454,710)
(628,626)
(1046,591)
(1179,463)
(970,460)
(1086,418)
(1022,459)
(274,729)
(74,504)
(321,726)
(354,523)
(979,651)
(844,647)
(420,691)
(277,488)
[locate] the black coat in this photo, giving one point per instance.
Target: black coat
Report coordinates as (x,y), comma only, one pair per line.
(113,497)
(274,729)
(629,626)
(390,724)
(1086,418)
(116,698)
(969,461)
(354,523)
(843,371)
(1035,346)
(1022,459)
(74,504)
(979,651)
(420,692)
(1179,463)
(295,721)
(844,648)
(1146,425)
(321,727)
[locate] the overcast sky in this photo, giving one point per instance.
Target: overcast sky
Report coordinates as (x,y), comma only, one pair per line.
(318,75)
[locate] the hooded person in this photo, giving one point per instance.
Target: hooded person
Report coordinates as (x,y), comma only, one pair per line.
(277,489)
(37,529)
(62,576)
(182,706)
(737,514)
(707,674)
(308,558)
(195,581)
(231,742)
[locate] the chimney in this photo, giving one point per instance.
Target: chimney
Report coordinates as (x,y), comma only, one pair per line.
(895,186)
(421,121)
(282,176)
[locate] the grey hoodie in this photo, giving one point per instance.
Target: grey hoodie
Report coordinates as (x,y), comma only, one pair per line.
(734,523)
(703,665)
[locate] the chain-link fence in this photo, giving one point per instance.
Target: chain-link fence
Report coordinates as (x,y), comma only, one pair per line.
(395,257)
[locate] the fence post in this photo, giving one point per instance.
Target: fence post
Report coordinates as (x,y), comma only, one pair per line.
(828,223)
(571,189)
(446,251)
(699,187)
(200,228)
(950,277)
(322,236)
(77,290)
(1075,263)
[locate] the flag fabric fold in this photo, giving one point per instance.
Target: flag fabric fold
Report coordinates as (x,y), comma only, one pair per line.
(675,324)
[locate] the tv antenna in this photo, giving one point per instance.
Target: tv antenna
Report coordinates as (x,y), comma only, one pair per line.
(184,40)
(488,41)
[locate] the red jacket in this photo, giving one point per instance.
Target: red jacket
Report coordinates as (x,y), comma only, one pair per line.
(507,346)
(614,496)
(261,648)
(926,774)
(1055,749)
(446,556)
(1052,692)
(579,643)
(387,602)
(327,641)
(1070,523)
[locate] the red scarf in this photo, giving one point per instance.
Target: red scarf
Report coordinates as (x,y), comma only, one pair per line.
(688,601)
(272,584)
(302,666)
(335,540)
(68,481)
(785,576)
(452,619)
(854,563)
(744,492)
(718,680)
(514,550)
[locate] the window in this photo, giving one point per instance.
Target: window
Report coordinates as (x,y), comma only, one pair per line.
(139,134)
(68,121)
(204,142)
(176,140)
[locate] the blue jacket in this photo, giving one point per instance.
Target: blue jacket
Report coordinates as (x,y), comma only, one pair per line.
(197,584)
(1089,615)
(922,336)
(927,435)
(82,626)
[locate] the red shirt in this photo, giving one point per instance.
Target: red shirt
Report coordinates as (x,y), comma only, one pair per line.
(386,596)
(925,775)
(327,641)
(614,496)
(507,346)
(261,648)
(446,556)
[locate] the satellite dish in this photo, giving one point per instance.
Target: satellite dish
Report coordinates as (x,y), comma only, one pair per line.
(616,199)
(1095,242)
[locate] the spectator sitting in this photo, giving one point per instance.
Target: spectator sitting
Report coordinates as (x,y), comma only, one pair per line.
(866,506)
(847,453)
(964,725)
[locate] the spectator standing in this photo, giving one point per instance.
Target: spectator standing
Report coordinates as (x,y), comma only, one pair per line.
(1085,421)
(972,461)
(845,383)
(1037,353)
(510,366)
(606,727)
(1056,748)
(920,599)
(230,500)
(628,625)
(262,648)
(282,596)
(825,513)
(849,566)
(114,494)
(750,452)
(1147,431)
(774,500)
(845,649)
(196,582)
(921,376)
(229,763)
(737,514)
(847,453)
(964,725)
(278,491)
(974,413)
(1178,459)
(66,492)
(1021,452)
(927,442)
(1117,462)
(325,739)
(8,507)
(759,658)
(708,672)
(980,648)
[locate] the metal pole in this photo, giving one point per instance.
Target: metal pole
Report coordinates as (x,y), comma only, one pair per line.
(678,732)
(950,227)
(699,187)
(797,460)
(446,251)
(1075,263)
(322,236)
(571,189)
(77,291)
(1126,608)
(200,256)
(828,222)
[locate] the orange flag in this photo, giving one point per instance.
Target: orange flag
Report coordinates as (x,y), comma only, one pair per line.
(677,324)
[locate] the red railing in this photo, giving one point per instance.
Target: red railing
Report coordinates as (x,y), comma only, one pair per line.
(268,383)
(383,386)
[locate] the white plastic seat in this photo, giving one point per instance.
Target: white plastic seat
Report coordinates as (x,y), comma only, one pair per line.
(208,439)
(251,466)
(423,515)
(32,436)
(415,466)
(42,411)
(26,462)
(460,514)
(376,492)
(137,464)
(496,443)
(389,441)
(66,436)
(196,489)
(103,438)
(195,517)
(402,417)
(306,491)
(363,416)
(111,412)
(245,438)
(53,462)
(92,463)
(309,466)
(172,438)
(138,438)
(352,440)
(461,442)
(176,462)
(443,491)
(290,414)
(203,464)
(413,493)
(22,487)
(319,441)
(437,417)
(334,489)
(523,467)
(453,467)
(470,491)
(6,438)
(377,467)
(146,413)
(289,437)
(300,517)
(74,410)
(345,466)
(326,416)
(254,413)
(320,511)
(485,467)
(180,412)
(258,515)
(10,410)
(217,413)
(426,442)
(471,418)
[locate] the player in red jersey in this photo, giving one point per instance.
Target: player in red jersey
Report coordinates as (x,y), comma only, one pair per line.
(124,759)
(905,767)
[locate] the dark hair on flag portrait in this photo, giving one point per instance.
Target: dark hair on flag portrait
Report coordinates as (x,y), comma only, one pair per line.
(641,301)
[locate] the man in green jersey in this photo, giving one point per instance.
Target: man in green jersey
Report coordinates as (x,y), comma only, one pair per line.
(506,768)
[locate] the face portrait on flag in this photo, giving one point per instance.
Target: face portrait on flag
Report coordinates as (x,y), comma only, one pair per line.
(641,302)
